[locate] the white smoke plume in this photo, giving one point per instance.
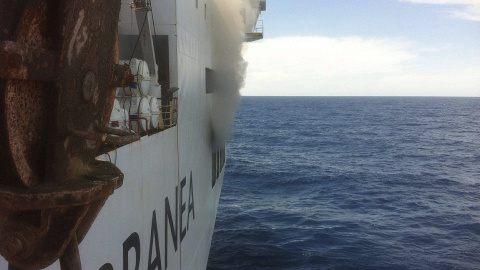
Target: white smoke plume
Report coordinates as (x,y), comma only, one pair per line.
(228,65)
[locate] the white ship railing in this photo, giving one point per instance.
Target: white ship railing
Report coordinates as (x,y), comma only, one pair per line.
(259,27)
(170,113)
(257,32)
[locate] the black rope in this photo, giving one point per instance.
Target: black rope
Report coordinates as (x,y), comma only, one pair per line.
(109,158)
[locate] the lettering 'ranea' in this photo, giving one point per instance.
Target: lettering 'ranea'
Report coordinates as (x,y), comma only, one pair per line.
(132,243)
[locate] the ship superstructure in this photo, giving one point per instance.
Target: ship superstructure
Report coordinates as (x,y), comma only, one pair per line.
(185,65)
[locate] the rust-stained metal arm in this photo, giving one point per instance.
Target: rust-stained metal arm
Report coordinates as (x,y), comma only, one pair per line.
(62,208)
(120,137)
(72,193)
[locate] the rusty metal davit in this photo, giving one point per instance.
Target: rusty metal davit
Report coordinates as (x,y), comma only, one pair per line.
(58,75)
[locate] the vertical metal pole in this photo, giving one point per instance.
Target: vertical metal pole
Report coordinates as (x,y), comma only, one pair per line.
(70,259)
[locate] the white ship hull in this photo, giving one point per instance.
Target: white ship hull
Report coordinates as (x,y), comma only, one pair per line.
(133,229)
(134,225)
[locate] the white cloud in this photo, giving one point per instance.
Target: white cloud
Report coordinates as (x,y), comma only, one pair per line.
(463,82)
(444,2)
(348,66)
(469,11)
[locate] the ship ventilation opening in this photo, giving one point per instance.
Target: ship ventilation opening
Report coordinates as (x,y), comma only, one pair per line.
(209,81)
(226,76)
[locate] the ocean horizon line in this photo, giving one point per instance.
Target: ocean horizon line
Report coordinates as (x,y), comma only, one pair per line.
(361,96)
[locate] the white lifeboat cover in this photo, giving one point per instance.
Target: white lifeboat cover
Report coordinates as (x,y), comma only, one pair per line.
(155,110)
(141,74)
(116,111)
(139,106)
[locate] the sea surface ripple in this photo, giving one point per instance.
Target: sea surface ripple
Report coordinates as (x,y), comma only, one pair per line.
(351,183)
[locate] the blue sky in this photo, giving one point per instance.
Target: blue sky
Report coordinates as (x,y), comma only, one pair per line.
(367,47)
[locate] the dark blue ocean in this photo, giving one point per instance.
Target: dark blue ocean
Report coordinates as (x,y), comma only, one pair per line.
(351,183)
